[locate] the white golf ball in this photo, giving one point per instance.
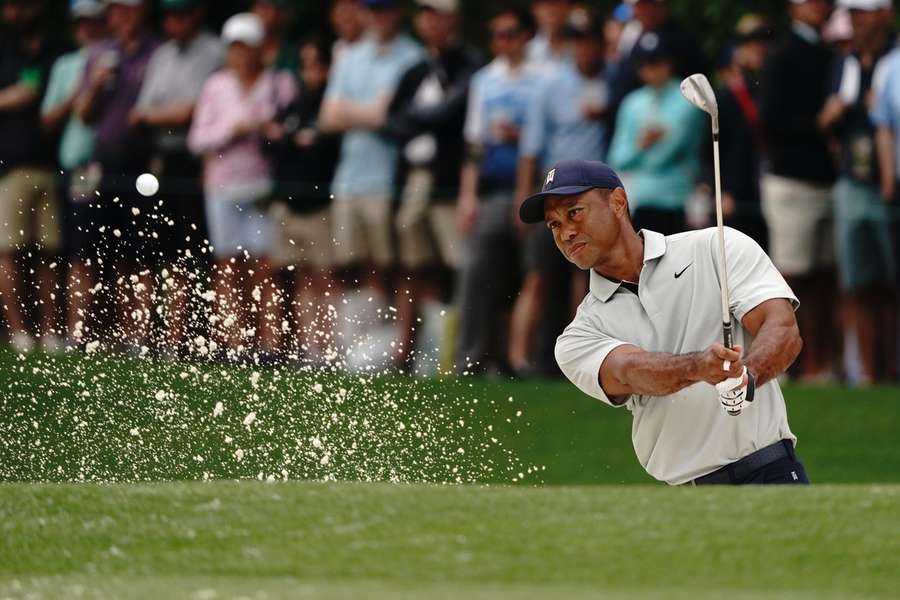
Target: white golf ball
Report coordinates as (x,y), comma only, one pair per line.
(147,184)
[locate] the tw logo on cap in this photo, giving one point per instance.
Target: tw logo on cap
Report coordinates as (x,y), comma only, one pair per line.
(550,177)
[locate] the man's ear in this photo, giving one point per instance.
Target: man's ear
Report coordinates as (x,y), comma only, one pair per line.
(618,201)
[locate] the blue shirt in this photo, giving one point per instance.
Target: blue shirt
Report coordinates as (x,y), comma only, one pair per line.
(663,175)
(366,73)
(886,87)
(556,128)
(76,147)
(499,96)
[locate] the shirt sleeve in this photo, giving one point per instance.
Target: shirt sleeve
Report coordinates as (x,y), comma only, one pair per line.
(56,92)
(212,127)
(580,352)
(148,88)
(752,278)
(337,83)
(474,127)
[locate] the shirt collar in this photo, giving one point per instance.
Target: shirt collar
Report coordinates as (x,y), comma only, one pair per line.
(654,247)
(806,31)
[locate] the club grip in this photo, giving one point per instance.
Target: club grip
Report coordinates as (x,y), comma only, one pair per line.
(728,335)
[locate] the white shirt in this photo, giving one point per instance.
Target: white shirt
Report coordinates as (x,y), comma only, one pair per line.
(687,434)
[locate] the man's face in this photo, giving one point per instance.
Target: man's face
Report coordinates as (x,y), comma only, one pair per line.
(751,55)
(650,13)
(812,12)
(346,19)
(384,22)
(508,38)
(586,227)
(588,53)
(125,21)
(88,31)
(868,23)
(551,15)
(655,73)
(313,69)
(180,25)
(435,28)
(19,14)
(274,17)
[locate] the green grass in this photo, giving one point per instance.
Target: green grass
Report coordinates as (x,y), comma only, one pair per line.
(152,427)
(71,418)
(382,541)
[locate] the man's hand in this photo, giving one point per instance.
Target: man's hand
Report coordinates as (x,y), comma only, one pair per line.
(735,393)
(831,113)
(718,363)
(466,213)
(650,136)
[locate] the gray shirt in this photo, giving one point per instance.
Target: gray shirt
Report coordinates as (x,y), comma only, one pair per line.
(176,74)
(677,310)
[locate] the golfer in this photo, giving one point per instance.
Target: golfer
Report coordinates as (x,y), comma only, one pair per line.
(645,335)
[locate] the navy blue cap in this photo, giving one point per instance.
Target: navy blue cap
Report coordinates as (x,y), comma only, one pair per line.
(652,46)
(569,178)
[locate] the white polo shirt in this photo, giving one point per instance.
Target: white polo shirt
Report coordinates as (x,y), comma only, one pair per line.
(677,310)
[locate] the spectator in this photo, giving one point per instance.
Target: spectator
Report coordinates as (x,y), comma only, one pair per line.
(76,149)
(499,99)
(121,226)
(29,206)
(741,138)
(549,46)
(652,16)
(305,160)
(428,113)
(796,192)
(356,103)
(862,220)
(226,131)
(657,142)
(278,51)
(613,30)
(347,22)
(556,131)
(165,107)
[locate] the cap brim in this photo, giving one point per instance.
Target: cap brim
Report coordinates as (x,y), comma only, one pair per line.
(532,210)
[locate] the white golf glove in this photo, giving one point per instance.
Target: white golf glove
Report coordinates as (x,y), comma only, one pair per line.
(734,394)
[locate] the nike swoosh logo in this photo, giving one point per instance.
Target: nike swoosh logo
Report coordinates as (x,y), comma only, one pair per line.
(681,272)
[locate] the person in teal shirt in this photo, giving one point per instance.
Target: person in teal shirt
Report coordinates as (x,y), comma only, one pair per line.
(76,147)
(657,142)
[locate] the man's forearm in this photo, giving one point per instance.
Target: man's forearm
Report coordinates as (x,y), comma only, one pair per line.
(658,373)
(774,349)
(525,178)
(17,97)
(884,140)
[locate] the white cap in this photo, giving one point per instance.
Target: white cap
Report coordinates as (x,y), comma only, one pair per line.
(245,28)
(87,9)
(866,5)
(443,6)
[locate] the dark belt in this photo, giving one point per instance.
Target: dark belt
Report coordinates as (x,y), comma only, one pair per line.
(738,471)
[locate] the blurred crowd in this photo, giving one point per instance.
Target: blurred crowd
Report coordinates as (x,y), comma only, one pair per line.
(369,177)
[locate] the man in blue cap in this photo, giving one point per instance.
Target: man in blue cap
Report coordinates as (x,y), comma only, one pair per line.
(645,335)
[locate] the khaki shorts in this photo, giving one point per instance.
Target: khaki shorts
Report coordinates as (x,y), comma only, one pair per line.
(302,240)
(799,215)
(361,228)
(29,209)
(426,230)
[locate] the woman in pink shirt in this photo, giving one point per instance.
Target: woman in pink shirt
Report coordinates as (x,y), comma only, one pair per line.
(235,105)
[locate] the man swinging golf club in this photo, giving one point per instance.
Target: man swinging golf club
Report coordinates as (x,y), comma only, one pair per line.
(645,337)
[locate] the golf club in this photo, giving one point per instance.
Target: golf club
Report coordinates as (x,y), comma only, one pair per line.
(699,92)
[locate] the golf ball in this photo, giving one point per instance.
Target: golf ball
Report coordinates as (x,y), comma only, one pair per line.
(147,184)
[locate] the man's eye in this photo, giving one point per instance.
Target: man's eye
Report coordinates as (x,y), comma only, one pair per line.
(574,211)
(552,226)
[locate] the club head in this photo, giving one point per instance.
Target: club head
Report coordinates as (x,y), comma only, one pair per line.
(699,92)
